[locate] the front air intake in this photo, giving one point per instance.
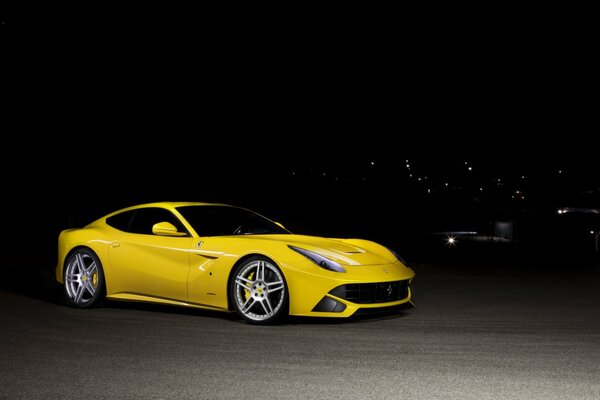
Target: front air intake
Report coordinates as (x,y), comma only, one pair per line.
(329,305)
(370,293)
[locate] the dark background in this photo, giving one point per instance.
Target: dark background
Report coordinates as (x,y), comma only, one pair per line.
(367,193)
(309,119)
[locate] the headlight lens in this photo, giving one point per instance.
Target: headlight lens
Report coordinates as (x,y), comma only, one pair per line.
(402,260)
(319,260)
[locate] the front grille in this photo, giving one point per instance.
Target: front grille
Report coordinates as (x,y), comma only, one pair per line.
(368,293)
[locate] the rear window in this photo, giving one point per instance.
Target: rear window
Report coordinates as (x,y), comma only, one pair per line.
(121,221)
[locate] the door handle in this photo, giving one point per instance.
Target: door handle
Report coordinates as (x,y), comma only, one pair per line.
(115,244)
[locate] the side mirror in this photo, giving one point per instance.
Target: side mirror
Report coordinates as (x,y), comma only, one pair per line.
(166,229)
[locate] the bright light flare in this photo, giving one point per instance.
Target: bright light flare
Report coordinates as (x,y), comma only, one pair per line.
(451,240)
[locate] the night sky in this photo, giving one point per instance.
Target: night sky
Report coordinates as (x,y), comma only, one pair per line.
(308,121)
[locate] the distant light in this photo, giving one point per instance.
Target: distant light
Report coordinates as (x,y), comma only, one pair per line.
(410,175)
(561,211)
(407,161)
(446,184)
(591,232)
(560,171)
(429,191)
(481,189)
(470,169)
(451,240)
(523,177)
(372,162)
(466,162)
(408,166)
(419,178)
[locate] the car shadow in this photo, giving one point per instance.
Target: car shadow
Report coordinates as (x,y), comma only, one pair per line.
(381,316)
(169,309)
(232,316)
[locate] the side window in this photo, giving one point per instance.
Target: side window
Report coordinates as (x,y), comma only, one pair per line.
(121,221)
(145,218)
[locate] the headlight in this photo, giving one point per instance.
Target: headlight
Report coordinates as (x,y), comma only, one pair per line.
(319,260)
(398,257)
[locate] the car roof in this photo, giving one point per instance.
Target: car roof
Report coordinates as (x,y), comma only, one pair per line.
(167,205)
(179,204)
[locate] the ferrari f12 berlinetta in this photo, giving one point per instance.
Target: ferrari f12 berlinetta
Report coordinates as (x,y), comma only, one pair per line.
(220,257)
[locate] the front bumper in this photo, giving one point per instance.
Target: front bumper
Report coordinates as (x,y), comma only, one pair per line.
(363,289)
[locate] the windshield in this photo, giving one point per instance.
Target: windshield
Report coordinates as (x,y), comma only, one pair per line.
(225,220)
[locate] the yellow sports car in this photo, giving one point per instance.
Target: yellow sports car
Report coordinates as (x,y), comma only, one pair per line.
(220,257)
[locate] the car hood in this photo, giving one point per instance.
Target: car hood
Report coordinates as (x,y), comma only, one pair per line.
(343,251)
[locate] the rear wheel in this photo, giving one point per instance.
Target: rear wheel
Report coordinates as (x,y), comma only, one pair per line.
(259,292)
(84,279)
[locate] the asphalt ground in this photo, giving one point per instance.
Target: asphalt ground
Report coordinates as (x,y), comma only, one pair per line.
(478,331)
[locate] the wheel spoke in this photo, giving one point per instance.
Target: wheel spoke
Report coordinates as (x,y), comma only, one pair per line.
(92,268)
(276,288)
(247,305)
(262,303)
(79,293)
(275,283)
(246,283)
(269,307)
(90,287)
(80,263)
(268,301)
(258,271)
(72,277)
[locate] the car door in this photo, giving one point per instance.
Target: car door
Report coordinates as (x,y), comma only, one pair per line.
(150,265)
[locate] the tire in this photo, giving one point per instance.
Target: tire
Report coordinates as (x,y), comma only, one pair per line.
(259,292)
(84,279)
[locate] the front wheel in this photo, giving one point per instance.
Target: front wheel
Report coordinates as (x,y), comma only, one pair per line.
(258,291)
(84,279)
